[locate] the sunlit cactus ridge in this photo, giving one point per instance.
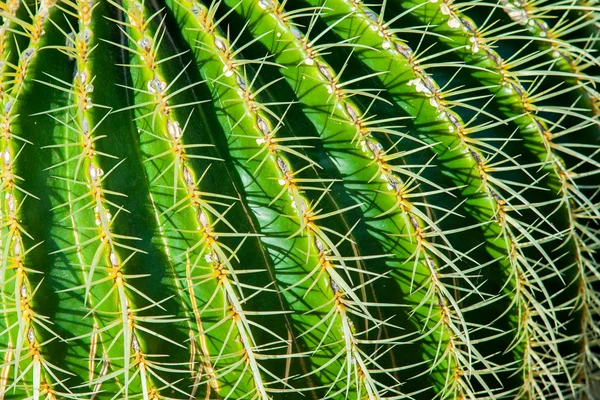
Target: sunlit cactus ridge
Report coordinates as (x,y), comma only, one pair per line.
(305,199)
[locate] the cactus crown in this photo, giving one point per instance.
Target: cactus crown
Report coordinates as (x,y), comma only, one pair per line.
(253,199)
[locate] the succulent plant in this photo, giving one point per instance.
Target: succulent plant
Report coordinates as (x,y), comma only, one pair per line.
(323,199)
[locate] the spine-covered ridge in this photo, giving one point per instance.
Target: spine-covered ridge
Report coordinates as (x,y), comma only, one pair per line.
(25,333)
(457,353)
(272,154)
(544,140)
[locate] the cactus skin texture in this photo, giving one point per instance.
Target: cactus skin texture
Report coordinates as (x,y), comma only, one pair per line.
(320,199)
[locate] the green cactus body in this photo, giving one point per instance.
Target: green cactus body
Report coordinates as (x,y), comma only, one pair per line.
(326,199)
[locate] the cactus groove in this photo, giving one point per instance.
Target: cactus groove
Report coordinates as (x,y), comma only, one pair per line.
(321,199)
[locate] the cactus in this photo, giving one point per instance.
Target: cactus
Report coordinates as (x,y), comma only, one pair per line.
(324,199)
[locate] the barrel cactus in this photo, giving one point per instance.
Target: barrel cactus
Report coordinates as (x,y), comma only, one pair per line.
(321,199)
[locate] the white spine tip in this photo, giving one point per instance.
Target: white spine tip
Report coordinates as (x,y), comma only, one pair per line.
(297,34)
(264,4)
(220,44)
(93,172)
(202,219)
(156,86)
(85,126)
(6,156)
(282,165)
(10,201)
(135,344)
(174,130)
(319,245)
(453,23)
(145,43)
(187,176)
(8,106)
(241,82)
(83,76)
(114,261)
(31,336)
(262,125)
(27,53)
(86,35)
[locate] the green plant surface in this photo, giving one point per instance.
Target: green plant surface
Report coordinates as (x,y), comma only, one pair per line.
(325,199)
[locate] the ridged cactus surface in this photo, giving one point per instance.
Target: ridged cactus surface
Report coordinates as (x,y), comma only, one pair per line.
(305,199)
